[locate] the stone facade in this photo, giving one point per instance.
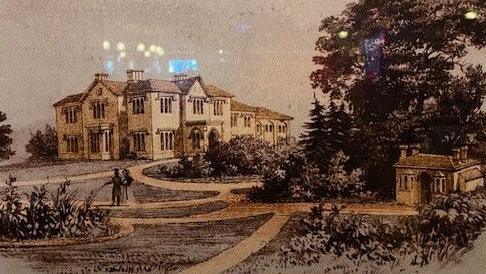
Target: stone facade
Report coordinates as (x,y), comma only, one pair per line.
(157,119)
(421,177)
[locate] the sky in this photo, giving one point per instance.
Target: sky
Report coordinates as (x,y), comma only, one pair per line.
(259,50)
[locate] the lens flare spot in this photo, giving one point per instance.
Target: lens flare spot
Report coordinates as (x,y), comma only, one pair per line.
(220,51)
(123,54)
(160,51)
(120,46)
(146,53)
(343,34)
(471,15)
(140,47)
(152,48)
(106,45)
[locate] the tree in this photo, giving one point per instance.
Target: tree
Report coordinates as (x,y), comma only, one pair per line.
(43,145)
(339,127)
(315,140)
(5,139)
(388,59)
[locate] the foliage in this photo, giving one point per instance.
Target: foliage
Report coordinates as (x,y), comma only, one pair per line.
(43,145)
(43,217)
(315,140)
(242,155)
(291,175)
(424,90)
(5,139)
(443,230)
(196,167)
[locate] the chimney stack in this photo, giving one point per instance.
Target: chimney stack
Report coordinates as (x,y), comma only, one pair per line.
(415,148)
(463,155)
(101,76)
(456,155)
(403,151)
(180,77)
(134,75)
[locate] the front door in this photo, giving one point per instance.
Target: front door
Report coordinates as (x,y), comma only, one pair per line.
(425,188)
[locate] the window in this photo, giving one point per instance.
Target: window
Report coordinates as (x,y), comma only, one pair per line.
(247,121)
(138,105)
(405,182)
(98,110)
(72,144)
(259,128)
(166,105)
(234,121)
(266,128)
(198,106)
(218,107)
(439,185)
(271,128)
(197,138)
(167,140)
(95,142)
(71,116)
(139,141)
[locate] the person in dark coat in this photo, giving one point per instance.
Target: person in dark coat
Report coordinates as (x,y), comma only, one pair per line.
(116,191)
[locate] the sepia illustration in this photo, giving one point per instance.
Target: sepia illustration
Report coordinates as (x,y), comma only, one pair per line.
(282,136)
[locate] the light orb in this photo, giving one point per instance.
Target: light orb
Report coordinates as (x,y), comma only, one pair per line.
(123,54)
(120,46)
(146,53)
(160,51)
(106,45)
(140,47)
(343,34)
(220,51)
(152,48)
(471,15)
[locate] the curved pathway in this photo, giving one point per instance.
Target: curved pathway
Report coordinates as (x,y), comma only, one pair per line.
(237,208)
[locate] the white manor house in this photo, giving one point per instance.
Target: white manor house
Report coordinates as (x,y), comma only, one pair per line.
(157,119)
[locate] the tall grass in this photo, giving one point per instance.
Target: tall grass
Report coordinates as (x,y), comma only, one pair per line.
(44,215)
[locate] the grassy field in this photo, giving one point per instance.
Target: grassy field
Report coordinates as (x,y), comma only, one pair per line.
(151,248)
(24,172)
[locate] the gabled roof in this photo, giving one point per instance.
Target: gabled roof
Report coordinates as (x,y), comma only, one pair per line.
(470,175)
(69,99)
(260,112)
(117,87)
(434,161)
(185,84)
(154,85)
(214,91)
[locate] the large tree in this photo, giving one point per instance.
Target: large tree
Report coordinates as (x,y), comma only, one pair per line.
(391,60)
(5,139)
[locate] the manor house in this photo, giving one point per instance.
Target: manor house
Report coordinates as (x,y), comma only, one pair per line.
(157,119)
(421,177)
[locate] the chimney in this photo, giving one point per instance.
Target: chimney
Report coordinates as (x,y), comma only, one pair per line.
(134,75)
(403,151)
(180,77)
(415,149)
(456,155)
(463,155)
(101,76)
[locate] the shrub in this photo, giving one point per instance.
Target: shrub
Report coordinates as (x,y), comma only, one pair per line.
(42,217)
(445,229)
(42,146)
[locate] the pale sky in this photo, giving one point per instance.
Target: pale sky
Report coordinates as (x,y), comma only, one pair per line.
(52,48)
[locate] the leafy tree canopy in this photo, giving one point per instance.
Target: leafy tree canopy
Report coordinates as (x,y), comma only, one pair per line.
(5,139)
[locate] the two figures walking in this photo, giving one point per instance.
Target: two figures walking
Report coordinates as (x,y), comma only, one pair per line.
(120,184)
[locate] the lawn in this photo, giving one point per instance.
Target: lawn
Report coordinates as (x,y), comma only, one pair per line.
(151,248)
(175,212)
(61,169)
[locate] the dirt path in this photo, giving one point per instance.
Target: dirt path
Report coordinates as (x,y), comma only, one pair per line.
(237,208)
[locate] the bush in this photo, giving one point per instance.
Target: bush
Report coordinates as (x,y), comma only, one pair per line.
(196,167)
(42,146)
(291,176)
(42,217)
(445,229)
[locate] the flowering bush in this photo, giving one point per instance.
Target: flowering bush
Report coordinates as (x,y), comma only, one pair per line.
(41,217)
